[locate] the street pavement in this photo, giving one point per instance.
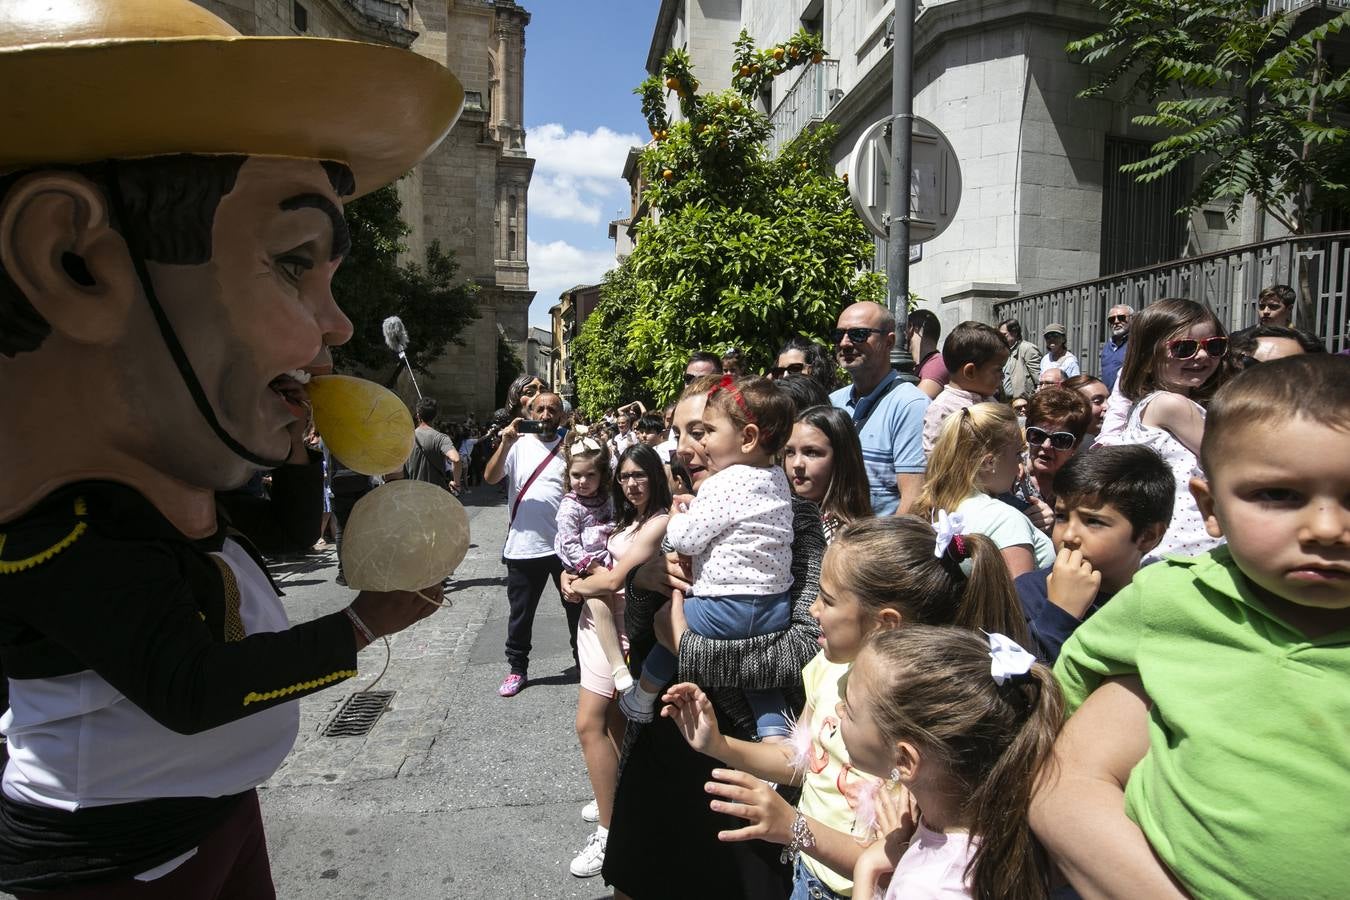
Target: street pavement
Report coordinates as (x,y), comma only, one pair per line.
(456,792)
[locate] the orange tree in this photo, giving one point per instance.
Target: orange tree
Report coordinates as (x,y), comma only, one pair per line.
(744,249)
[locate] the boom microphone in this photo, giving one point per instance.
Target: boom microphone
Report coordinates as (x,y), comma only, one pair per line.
(396,336)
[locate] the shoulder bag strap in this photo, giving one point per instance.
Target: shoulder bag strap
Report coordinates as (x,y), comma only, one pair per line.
(533,475)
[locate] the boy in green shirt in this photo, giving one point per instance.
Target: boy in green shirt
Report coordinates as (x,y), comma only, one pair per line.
(1213,755)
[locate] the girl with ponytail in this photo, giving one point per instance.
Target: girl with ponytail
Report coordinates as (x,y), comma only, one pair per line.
(880,574)
(965,720)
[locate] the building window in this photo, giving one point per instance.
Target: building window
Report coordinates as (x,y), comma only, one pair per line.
(511,206)
(300,16)
(1140,225)
(510,243)
(813,17)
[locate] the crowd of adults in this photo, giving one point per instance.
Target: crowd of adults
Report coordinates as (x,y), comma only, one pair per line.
(1074,480)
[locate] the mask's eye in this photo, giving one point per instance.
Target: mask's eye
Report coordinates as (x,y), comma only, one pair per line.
(294,267)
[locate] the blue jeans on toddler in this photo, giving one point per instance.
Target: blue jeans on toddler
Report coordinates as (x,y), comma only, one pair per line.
(731,618)
(806,886)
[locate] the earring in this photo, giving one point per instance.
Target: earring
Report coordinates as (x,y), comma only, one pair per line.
(895,774)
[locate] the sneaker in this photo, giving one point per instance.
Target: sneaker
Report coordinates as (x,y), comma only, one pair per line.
(632,707)
(341,580)
(511,685)
(591,859)
(591,812)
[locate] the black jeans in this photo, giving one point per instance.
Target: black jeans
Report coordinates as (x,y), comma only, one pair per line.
(525,580)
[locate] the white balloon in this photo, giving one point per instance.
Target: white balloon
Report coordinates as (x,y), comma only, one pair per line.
(404,536)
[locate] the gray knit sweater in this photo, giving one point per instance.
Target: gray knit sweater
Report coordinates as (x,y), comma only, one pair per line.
(724,668)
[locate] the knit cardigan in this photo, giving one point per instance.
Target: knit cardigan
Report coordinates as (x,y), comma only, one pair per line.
(725,668)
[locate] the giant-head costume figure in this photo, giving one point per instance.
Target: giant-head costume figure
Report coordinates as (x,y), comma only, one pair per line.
(171,200)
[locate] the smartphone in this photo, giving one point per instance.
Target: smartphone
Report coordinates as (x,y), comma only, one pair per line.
(531,426)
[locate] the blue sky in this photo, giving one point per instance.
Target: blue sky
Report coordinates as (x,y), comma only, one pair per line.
(582,60)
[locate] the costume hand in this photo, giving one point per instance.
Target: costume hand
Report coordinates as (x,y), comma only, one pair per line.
(387,612)
(692,712)
(1073,584)
(1041,515)
(746,797)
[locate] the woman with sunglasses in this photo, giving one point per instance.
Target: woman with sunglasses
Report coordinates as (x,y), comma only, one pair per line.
(801,356)
(1174,364)
(1057,420)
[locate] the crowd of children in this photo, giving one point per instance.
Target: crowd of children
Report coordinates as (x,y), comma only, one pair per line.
(1184,571)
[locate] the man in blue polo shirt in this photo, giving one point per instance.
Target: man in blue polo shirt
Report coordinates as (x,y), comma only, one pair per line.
(887,412)
(1113,349)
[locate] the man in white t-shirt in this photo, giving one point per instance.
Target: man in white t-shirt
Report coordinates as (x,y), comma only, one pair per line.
(533,466)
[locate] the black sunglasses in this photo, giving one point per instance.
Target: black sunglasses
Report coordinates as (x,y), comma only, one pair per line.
(856,335)
(1059,440)
(1117,318)
(1185,348)
(688,379)
(795,369)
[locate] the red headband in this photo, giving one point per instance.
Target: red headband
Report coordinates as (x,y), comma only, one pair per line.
(728,383)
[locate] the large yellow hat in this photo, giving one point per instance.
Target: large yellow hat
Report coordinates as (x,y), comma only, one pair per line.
(86,80)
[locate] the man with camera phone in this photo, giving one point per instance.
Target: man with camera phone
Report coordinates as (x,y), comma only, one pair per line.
(530,458)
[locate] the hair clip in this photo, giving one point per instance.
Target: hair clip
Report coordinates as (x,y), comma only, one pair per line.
(584,445)
(1009,661)
(951,529)
(728,383)
(580,429)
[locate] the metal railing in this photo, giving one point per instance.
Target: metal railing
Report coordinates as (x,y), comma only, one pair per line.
(1297,5)
(814,94)
(1227,281)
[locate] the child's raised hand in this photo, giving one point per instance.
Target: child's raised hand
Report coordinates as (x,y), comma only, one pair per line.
(873,870)
(746,797)
(897,814)
(692,712)
(1073,583)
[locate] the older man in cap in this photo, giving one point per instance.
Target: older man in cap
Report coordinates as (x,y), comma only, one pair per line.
(170,220)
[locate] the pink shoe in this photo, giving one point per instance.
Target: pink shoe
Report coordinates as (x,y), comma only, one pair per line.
(511,685)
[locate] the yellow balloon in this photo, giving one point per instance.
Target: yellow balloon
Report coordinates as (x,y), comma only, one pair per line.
(364,425)
(404,536)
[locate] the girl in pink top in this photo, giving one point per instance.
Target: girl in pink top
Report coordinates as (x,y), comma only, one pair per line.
(964,720)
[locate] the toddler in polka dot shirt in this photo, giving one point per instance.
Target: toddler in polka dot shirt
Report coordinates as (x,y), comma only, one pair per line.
(738,534)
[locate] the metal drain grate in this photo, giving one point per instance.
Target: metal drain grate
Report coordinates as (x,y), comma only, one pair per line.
(358,714)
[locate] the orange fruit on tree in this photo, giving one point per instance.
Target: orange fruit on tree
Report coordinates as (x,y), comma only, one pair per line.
(673,83)
(667,174)
(778,53)
(745,70)
(817,57)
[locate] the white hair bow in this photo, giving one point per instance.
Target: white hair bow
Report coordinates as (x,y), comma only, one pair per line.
(948,527)
(586,444)
(580,429)
(1008,659)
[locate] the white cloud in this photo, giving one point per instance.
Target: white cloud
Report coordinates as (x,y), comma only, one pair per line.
(578,175)
(557,266)
(595,154)
(559,197)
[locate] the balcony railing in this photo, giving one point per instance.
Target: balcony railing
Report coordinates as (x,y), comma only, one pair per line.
(815,93)
(1226,281)
(1298,5)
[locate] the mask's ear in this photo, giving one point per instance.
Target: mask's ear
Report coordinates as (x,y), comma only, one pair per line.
(58,248)
(1204,499)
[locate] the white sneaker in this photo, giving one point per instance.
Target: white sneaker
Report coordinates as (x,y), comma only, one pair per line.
(591,859)
(591,812)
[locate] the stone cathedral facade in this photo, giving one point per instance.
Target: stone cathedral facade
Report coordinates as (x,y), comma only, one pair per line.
(471,194)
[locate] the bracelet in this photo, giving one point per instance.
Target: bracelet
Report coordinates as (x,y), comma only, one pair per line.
(802,839)
(360,626)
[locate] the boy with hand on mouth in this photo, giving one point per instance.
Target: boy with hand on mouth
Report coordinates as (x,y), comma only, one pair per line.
(1209,743)
(1112,506)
